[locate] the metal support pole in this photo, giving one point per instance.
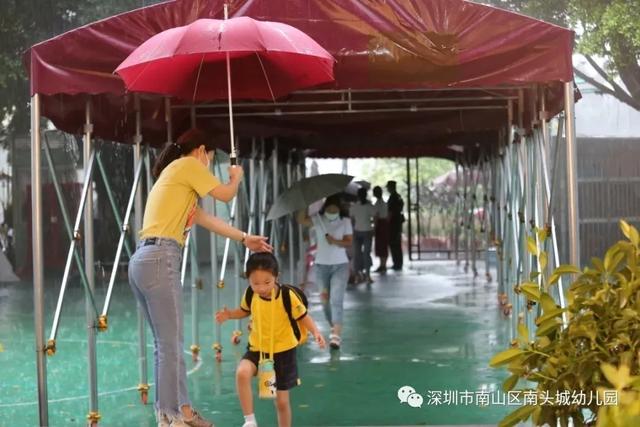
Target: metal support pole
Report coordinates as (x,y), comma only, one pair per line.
(51,345)
(143,385)
(301,248)
(572,175)
(112,201)
(196,286)
(93,416)
(290,249)
(457,216)
(418,210)
(409,220)
(215,293)
(123,235)
(38,261)
(252,194)
(263,189)
(275,223)
(73,251)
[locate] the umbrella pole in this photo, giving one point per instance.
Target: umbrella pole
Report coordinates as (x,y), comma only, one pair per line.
(233,157)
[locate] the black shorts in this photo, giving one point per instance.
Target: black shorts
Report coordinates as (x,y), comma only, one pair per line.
(285,365)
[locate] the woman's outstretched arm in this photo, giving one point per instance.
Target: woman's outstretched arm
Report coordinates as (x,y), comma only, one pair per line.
(218,226)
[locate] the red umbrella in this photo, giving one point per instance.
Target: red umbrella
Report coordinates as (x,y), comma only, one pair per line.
(260,59)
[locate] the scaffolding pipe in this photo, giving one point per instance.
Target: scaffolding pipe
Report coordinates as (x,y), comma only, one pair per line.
(290,219)
(72,249)
(215,293)
(143,385)
(38,260)
(123,235)
(572,175)
(276,222)
(94,415)
(70,233)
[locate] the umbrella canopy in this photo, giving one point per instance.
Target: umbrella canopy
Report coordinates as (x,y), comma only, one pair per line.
(306,191)
(267,59)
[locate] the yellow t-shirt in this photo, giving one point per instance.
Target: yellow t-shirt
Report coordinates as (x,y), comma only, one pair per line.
(278,323)
(172,202)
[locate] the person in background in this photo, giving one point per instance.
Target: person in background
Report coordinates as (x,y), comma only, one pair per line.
(381,229)
(334,234)
(395,206)
(363,214)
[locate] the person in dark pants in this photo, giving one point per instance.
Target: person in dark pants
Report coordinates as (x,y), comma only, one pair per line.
(395,206)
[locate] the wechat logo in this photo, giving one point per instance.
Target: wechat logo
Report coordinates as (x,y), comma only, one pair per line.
(408,395)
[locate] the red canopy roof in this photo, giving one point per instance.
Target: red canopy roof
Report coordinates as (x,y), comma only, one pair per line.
(386,51)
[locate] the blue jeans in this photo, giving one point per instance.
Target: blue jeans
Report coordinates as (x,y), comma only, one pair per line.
(154,276)
(332,280)
(362,250)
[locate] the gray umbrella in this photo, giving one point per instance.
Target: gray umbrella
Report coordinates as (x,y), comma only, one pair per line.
(306,191)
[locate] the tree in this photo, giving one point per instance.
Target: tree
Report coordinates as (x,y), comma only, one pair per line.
(379,171)
(609,29)
(26,22)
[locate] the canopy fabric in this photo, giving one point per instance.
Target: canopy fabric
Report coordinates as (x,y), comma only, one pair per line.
(401,46)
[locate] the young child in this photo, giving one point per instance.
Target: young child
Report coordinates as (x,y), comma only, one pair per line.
(262,273)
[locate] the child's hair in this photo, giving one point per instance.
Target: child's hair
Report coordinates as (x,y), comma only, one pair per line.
(265,261)
(377,191)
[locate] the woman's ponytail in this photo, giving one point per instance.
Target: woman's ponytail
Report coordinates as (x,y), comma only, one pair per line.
(186,143)
(169,153)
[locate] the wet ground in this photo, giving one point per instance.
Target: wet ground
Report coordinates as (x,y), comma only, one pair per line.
(430,327)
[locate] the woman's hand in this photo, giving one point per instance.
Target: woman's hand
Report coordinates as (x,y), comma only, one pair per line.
(257,243)
(223,315)
(235,173)
(330,239)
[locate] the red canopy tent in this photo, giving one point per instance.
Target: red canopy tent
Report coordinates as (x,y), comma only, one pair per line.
(412,77)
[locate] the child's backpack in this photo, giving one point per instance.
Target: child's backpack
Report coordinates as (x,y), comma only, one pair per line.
(299,330)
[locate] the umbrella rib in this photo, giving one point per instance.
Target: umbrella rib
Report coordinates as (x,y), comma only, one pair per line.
(195,88)
(265,76)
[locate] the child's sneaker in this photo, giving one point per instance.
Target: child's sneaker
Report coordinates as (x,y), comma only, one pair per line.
(334,341)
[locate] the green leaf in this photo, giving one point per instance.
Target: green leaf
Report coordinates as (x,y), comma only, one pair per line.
(531,290)
(505,357)
(510,383)
(543,259)
(520,414)
(556,312)
(567,269)
(523,333)
(548,304)
(630,232)
(618,377)
(531,246)
(542,235)
(547,327)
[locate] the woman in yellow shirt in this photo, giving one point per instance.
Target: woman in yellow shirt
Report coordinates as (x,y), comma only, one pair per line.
(183,176)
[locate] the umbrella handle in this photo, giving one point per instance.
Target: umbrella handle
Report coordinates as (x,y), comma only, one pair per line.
(233,160)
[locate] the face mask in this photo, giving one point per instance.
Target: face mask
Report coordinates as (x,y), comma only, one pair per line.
(331,216)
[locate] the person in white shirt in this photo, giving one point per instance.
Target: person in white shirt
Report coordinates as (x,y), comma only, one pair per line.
(363,214)
(381,229)
(333,234)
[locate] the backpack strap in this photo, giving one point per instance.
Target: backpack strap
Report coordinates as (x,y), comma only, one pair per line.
(286,300)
